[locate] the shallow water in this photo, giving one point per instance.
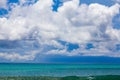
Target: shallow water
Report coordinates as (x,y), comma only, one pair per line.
(59,69)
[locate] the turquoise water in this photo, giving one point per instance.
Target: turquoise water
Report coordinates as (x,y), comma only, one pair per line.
(59,69)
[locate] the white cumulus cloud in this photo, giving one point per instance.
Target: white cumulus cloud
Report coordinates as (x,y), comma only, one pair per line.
(17,57)
(117,1)
(72,23)
(3,3)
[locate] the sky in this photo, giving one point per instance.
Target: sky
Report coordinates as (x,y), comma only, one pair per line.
(70,31)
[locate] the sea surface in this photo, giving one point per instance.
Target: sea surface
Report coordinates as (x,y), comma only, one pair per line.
(58,70)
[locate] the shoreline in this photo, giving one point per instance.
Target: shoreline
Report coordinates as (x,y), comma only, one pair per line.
(102,77)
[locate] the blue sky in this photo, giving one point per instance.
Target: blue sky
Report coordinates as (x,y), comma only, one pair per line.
(72,31)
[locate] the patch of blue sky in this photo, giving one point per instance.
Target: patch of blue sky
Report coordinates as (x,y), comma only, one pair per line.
(88,2)
(27,1)
(103,2)
(70,46)
(3,12)
(13,1)
(89,46)
(116,22)
(57,3)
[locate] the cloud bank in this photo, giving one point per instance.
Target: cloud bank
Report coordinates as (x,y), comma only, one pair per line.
(72,23)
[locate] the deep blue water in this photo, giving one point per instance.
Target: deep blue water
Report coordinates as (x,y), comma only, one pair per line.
(59,69)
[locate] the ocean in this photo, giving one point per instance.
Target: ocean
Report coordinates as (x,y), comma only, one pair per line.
(58,70)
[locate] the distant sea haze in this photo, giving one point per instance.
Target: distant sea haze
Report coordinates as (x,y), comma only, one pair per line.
(58,70)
